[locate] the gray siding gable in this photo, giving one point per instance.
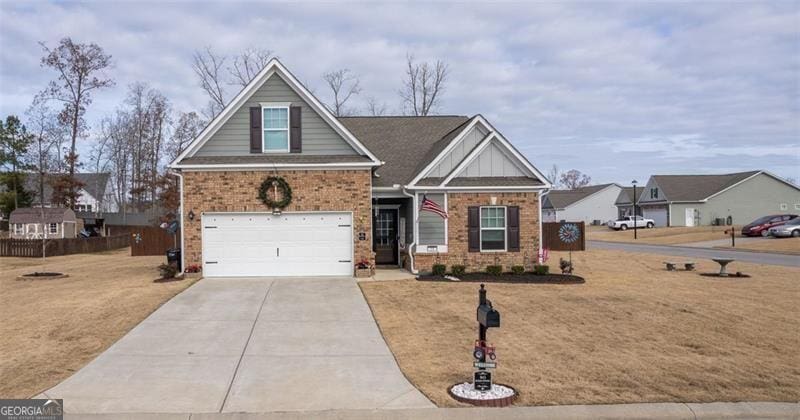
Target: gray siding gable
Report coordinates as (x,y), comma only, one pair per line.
(233,137)
(459,151)
(493,161)
(645,197)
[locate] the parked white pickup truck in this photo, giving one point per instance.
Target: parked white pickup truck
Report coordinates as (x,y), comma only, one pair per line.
(627,222)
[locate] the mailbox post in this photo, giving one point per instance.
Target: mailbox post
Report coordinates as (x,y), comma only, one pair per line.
(487,317)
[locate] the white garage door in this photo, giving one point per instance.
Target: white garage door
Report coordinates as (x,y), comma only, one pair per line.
(658,214)
(292,244)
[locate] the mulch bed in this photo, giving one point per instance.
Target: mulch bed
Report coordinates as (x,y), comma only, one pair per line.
(510,278)
(729,276)
(42,276)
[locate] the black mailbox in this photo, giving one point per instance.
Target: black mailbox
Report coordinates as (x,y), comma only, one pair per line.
(487,316)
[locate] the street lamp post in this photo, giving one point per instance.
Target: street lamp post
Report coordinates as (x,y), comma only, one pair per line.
(635,222)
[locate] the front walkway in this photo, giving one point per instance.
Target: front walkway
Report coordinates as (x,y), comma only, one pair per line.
(247,345)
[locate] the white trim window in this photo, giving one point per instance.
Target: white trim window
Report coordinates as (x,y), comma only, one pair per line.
(19,228)
(53,228)
(275,128)
(493,228)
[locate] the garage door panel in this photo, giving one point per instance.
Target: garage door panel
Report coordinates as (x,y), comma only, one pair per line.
(253,244)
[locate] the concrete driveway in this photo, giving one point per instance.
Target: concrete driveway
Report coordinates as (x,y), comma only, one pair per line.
(247,345)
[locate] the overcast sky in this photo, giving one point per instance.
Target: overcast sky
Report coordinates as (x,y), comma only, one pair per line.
(616,90)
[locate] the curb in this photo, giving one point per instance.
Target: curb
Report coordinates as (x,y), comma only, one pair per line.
(692,411)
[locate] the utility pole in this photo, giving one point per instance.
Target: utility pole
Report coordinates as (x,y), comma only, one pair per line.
(635,221)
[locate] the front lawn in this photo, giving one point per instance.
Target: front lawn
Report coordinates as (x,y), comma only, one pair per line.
(632,333)
(51,328)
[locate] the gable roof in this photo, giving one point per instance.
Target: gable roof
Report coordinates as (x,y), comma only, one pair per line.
(625,196)
(403,143)
(561,199)
(697,187)
(34,215)
(94,183)
(273,67)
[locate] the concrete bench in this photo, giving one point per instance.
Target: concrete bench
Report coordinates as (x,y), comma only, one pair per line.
(688,265)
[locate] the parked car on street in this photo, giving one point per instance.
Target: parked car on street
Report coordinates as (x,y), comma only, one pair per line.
(627,222)
(790,228)
(762,225)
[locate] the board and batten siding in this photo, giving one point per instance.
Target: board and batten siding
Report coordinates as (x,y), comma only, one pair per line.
(459,151)
(233,138)
(492,162)
(431,225)
(759,196)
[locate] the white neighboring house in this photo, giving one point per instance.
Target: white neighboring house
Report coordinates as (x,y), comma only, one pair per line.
(696,200)
(591,204)
(95,196)
(28,223)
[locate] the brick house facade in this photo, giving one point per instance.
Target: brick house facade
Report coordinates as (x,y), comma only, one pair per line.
(364,179)
(237,191)
(457,231)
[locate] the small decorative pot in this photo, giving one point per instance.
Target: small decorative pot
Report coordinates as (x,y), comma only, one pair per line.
(363,272)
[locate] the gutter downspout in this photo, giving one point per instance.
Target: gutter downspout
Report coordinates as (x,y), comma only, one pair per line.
(541,247)
(412,246)
(183,230)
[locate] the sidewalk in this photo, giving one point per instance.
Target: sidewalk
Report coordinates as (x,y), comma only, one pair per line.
(740,410)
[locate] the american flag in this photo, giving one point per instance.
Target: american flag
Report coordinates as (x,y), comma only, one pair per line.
(431,206)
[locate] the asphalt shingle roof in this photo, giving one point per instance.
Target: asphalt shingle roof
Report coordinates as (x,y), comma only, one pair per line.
(34,215)
(697,187)
(560,199)
(406,144)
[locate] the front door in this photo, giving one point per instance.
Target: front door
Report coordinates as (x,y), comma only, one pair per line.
(385,237)
(689,217)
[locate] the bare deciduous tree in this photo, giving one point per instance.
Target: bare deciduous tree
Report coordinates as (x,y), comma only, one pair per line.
(573,179)
(79,68)
(343,84)
(187,128)
(375,108)
(247,65)
(554,175)
(423,86)
(207,66)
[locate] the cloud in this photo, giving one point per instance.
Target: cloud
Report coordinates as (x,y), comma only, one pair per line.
(615,90)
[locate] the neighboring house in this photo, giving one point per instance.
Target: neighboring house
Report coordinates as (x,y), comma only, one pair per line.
(53,222)
(95,196)
(693,200)
(624,201)
(357,187)
(591,204)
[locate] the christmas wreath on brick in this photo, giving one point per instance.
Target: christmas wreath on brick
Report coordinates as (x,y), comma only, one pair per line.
(275,183)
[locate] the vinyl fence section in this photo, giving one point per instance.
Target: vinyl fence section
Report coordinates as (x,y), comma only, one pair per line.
(56,247)
(564,236)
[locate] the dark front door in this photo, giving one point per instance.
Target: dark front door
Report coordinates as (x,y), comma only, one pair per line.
(385,237)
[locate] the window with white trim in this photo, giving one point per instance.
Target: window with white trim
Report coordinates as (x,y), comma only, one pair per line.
(19,228)
(493,228)
(275,129)
(53,227)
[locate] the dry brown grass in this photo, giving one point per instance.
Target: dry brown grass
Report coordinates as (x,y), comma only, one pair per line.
(783,245)
(632,333)
(660,236)
(51,328)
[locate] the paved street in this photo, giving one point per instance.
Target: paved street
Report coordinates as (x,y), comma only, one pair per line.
(247,345)
(697,253)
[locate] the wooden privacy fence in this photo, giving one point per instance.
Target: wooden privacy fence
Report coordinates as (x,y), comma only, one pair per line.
(564,236)
(152,240)
(56,247)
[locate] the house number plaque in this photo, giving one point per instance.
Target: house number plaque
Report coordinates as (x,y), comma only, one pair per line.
(362,236)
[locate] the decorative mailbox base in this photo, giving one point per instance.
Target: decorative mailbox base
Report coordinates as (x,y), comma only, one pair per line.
(499,396)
